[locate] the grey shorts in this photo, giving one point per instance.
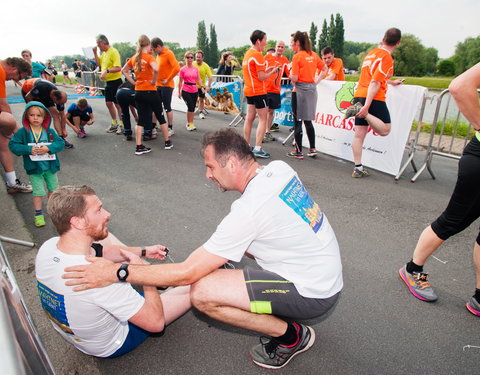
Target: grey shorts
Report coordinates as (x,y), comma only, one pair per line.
(271,294)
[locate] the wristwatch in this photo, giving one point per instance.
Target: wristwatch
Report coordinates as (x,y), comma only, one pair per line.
(122,272)
(144,251)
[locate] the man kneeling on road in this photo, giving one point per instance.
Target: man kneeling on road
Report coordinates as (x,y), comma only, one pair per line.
(105,322)
(276,222)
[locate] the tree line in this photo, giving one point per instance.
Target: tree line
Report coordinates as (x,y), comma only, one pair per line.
(412,58)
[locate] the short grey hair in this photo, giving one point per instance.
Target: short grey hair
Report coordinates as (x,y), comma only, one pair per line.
(102,38)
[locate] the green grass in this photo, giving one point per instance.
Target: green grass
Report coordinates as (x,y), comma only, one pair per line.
(59,79)
(429,82)
(448,129)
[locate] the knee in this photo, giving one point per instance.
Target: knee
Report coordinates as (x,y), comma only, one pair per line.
(384,132)
(199,295)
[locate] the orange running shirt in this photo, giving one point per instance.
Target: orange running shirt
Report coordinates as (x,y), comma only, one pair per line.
(273,83)
(253,62)
(305,65)
(377,65)
(336,67)
(3,79)
(145,75)
(168,68)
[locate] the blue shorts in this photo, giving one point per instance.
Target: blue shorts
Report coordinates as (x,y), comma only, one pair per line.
(135,337)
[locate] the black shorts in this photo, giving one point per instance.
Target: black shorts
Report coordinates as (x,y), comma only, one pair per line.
(165,93)
(271,294)
(260,101)
(377,108)
(190,99)
(111,88)
(83,116)
(201,94)
(273,100)
(146,102)
(65,73)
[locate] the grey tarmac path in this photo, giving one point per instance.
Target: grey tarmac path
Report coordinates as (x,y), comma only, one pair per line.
(377,327)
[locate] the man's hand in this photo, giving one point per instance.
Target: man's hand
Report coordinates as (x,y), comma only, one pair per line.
(90,122)
(94,50)
(100,273)
(156,252)
(363,112)
(164,81)
(103,76)
(132,258)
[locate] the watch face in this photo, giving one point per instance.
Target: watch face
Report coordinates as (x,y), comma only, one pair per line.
(122,274)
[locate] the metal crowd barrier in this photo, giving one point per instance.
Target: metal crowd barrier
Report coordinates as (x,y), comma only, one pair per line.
(441,144)
(91,82)
(22,348)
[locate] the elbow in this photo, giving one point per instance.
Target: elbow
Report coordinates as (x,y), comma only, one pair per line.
(156,326)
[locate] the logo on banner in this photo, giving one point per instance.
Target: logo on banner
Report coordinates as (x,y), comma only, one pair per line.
(344,96)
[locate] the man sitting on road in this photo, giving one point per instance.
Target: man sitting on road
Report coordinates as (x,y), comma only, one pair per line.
(106,322)
(277,223)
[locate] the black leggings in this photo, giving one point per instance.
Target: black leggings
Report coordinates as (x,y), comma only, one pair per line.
(299,129)
(126,98)
(146,102)
(464,206)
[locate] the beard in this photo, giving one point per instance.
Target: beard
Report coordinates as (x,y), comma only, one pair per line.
(98,234)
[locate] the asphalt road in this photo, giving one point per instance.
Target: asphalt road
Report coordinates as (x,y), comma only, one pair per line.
(377,327)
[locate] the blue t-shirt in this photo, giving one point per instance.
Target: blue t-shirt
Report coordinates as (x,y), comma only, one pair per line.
(37,70)
(75,111)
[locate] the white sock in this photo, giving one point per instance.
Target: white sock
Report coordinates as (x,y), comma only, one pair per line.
(360,167)
(257,148)
(11,178)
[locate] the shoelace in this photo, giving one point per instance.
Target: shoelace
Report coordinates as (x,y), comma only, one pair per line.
(270,346)
(421,279)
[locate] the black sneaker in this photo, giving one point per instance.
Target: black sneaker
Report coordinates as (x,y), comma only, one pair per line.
(168,145)
(271,354)
(142,150)
(128,137)
(68,145)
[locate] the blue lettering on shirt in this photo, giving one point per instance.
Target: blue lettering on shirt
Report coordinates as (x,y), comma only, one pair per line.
(54,306)
(297,198)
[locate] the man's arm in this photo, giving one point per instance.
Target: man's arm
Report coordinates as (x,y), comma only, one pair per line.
(95,55)
(264,74)
(103,272)
(464,91)
(4,106)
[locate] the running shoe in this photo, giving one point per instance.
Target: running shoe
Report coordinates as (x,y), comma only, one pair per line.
(112,129)
(19,187)
(418,284)
(140,150)
(270,354)
(261,154)
(275,128)
(353,110)
(312,153)
(81,133)
(168,145)
(473,306)
(201,115)
(68,145)
(295,154)
(359,173)
(128,137)
(40,221)
(191,127)
(268,137)
(149,137)
(119,130)
(170,132)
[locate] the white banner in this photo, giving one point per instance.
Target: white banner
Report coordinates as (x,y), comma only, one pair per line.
(334,135)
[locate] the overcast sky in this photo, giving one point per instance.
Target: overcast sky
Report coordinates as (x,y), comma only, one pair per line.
(50,28)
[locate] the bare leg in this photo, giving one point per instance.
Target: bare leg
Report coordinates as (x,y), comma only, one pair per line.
(175,302)
(262,125)
(247,127)
(378,125)
(138,134)
(230,304)
(476,262)
(170,117)
(37,203)
(426,245)
(112,110)
(6,157)
(190,116)
(269,119)
(357,143)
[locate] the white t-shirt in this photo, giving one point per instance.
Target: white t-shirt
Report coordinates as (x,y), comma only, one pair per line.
(277,222)
(95,320)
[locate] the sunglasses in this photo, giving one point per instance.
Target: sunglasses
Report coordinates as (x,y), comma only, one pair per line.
(189,57)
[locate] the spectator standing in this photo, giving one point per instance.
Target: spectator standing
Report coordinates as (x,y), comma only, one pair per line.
(168,68)
(110,68)
(334,64)
(189,80)
(305,64)
(227,64)
(206,82)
